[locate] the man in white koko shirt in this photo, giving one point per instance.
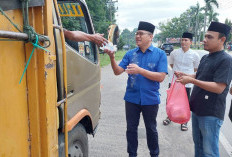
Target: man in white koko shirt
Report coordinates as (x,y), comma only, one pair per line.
(184,60)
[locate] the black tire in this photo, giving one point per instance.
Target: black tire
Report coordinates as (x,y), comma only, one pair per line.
(77,143)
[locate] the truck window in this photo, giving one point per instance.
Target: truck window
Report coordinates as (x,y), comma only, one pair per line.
(73,18)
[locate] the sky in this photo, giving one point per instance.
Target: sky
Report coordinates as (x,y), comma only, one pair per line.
(130,12)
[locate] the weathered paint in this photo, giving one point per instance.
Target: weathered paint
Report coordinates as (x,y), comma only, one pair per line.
(14,130)
(28,110)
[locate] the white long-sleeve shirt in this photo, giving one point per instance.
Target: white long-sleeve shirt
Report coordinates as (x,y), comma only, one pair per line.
(184,62)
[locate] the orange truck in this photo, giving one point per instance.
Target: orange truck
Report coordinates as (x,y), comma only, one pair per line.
(50,87)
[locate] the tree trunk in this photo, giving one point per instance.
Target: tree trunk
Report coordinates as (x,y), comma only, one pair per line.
(196,28)
(205,18)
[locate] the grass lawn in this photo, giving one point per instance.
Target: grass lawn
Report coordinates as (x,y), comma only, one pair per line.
(105,60)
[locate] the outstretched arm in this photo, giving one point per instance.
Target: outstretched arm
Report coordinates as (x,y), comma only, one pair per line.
(82,36)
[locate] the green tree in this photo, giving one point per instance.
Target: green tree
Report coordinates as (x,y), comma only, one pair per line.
(192,20)
(198,22)
(209,6)
(157,38)
(100,13)
(228,22)
(121,43)
(175,27)
(213,16)
(129,37)
(111,11)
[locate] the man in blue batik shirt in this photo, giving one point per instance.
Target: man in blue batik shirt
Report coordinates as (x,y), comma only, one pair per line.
(146,66)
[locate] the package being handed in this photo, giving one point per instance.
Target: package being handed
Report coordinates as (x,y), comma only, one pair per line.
(177,107)
(109,46)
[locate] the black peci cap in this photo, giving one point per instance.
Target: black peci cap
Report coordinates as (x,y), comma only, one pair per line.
(219,27)
(187,35)
(146,26)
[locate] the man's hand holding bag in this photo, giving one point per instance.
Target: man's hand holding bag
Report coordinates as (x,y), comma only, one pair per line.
(177,107)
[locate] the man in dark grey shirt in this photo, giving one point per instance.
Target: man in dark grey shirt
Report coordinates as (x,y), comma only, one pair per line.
(211,85)
(230,112)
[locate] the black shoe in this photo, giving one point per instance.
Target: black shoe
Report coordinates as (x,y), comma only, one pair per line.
(166,121)
(184,127)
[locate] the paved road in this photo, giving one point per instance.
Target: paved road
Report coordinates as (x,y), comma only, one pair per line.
(110,139)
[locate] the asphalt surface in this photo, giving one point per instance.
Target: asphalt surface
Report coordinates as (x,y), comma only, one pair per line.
(110,138)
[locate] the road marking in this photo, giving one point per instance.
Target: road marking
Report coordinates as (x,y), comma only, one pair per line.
(225,144)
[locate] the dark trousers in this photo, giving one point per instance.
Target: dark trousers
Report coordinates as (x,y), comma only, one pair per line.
(230,112)
(132,117)
(188,90)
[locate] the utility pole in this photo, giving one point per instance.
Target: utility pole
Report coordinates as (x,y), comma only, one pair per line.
(111,4)
(196,30)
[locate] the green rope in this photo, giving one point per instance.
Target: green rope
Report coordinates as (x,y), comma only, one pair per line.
(35,46)
(27,28)
(33,37)
(3,13)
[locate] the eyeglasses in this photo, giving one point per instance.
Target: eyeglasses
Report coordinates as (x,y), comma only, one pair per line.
(141,33)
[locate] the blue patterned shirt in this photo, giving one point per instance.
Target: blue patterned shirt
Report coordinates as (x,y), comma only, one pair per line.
(141,90)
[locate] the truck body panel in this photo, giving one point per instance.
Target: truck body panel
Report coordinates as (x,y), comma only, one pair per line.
(32,112)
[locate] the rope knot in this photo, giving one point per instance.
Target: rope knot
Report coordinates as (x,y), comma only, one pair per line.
(30,32)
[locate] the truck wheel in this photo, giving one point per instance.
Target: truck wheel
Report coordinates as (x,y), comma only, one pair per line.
(78,142)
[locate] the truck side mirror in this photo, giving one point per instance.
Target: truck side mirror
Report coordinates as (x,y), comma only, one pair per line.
(113,34)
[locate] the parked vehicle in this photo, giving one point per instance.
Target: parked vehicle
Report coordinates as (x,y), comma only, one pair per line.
(229,47)
(167,47)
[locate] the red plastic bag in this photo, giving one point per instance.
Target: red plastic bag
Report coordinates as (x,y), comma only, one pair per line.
(177,107)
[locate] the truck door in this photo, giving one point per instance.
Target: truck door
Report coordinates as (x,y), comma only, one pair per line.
(83,68)
(83,75)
